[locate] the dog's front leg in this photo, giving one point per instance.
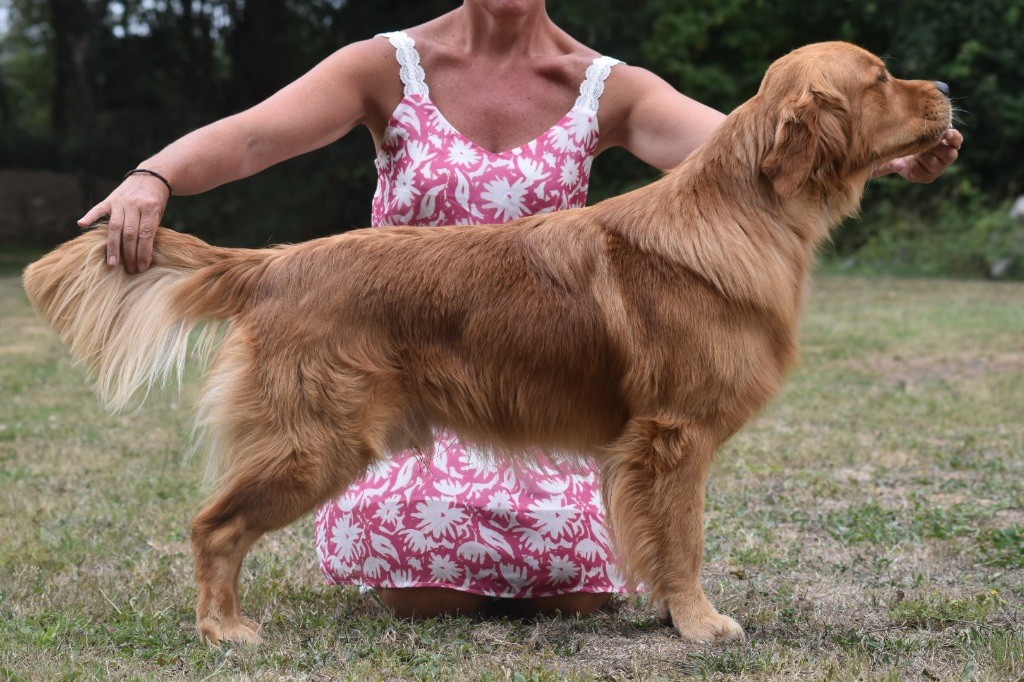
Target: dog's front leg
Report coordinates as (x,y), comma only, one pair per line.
(654,488)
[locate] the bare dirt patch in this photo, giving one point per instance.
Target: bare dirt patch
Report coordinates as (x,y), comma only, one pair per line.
(909,371)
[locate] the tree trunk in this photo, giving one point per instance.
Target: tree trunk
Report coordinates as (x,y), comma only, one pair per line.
(260,49)
(5,105)
(74,23)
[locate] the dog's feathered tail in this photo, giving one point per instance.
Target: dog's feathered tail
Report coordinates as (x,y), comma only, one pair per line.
(132,331)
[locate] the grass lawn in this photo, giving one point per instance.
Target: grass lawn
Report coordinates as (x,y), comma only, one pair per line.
(869,525)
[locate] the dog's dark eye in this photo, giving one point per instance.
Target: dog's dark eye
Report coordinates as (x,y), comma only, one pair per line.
(883,78)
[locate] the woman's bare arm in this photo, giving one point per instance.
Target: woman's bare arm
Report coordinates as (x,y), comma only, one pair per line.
(651,119)
(338,94)
(661,126)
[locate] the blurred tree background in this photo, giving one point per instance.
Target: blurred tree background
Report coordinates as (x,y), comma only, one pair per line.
(88,88)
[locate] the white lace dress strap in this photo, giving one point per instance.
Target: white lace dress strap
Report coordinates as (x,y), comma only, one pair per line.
(593,83)
(409,62)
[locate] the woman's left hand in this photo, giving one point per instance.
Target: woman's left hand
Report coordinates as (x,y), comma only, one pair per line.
(929,164)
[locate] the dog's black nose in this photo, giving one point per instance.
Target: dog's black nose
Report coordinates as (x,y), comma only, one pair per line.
(943,88)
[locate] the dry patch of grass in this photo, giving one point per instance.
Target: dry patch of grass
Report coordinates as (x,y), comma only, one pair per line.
(870,525)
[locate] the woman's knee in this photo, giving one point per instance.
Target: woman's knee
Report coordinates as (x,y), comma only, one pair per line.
(576,604)
(430,602)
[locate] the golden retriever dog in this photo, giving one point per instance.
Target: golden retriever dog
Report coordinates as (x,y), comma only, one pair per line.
(644,330)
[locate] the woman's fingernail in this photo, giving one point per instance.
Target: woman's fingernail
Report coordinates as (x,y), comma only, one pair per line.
(111,260)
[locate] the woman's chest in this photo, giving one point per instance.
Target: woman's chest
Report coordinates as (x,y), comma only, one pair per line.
(500,109)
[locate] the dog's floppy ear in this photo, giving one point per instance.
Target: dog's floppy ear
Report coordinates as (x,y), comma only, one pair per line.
(810,139)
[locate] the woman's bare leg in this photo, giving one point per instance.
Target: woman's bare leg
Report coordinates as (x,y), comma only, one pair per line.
(576,604)
(430,602)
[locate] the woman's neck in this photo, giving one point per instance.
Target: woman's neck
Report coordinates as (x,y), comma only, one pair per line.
(502,29)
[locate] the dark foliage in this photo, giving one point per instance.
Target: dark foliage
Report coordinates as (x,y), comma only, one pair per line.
(90,87)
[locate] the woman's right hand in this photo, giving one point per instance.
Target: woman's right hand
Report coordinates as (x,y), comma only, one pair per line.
(135,209)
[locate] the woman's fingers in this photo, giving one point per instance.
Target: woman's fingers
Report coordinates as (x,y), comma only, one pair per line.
(954,138)
(130,239)
(95,213)
(148,223)
(114,235)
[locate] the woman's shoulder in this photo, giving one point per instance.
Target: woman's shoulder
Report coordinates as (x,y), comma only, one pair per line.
(368,69)
(625,85)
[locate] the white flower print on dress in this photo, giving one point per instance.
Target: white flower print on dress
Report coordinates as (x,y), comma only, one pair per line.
(587,165)
(564,141)
(532,170)
(436,119)
(373,566)
(581,124)
(474,551)
(416,540)
(562,570)
(450,488)
(407,117)
(462,153)
(404,190)
(336,567)
(438,517)
(590,550)
(554,484)
(443,569)
(345,535)
(481,461)
(402,577)
(321,536)
(500,504)
(570,173)
(516,576)
(531,539)
(383,546)
(390,510)
(552,516)
(419,153)
(393,138)
(505,198)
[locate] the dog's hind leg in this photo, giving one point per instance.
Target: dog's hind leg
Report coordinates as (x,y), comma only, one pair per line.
(283,453)
(254,499)
(654,487)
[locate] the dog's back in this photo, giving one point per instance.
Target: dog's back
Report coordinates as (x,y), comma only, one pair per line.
(523,358)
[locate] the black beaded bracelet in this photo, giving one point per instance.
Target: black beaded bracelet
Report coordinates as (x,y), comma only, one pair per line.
(146,171)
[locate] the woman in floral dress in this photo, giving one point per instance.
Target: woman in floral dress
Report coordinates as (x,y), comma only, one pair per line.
(452,531)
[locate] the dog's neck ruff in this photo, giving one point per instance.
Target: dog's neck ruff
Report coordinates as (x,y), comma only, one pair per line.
(428,173)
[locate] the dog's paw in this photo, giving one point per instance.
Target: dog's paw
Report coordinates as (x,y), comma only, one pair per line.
(703,626)
(238,630)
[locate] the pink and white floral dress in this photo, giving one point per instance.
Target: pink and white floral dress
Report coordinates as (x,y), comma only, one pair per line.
(459,520)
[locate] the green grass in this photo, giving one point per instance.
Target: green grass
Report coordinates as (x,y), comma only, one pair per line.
(869,525)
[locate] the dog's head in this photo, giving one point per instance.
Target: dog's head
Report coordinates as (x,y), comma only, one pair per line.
(835,113)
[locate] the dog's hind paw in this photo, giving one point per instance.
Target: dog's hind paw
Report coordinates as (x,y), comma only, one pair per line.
(702,626)
(239,630)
